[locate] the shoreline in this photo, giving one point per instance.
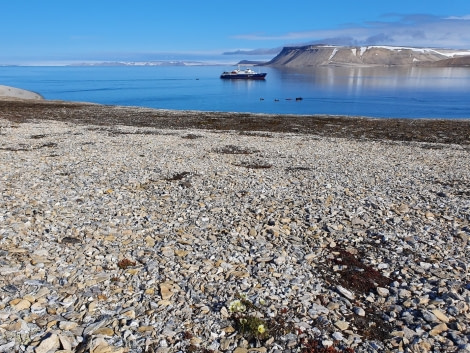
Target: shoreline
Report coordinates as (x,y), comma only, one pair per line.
(13,93)
(454,131)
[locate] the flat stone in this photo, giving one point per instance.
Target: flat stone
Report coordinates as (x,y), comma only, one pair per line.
(264,259)
(383,292)
(38,308)
(429,215)
(71,240)
(438,329)
(105,331)
(49,344)
(22,305)
(196,341)
(428,316)
(440,315)
(166,290)
(403,208)
(91,329)
(7,347)
(425,265)
(67,325)
(10,288)
(332,306)
(65,342)
(103,347)
(338,336)
(128,313)
(43,291)
(181,253)
(463,237)
(310,257)
(404,293)
(359,311)
(149,241)
(317,309)
(345,292)
(9,270)
(145,329)
(93,306)
(240,350)
(342,325)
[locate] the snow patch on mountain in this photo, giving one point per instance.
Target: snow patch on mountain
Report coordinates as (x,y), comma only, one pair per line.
(378,55)
(335,50)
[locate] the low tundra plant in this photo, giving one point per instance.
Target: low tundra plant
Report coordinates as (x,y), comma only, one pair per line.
(256,324)
(253,322)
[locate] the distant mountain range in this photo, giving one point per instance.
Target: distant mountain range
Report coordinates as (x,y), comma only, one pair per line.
(140,63)
(313,55)
(329,55)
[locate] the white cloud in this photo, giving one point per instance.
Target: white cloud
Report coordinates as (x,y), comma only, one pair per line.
(409,30)
(466,17)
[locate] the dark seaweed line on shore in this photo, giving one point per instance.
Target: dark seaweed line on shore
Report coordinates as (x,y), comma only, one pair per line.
(445,131)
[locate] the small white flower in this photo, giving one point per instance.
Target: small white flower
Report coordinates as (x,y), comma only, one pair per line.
(236,306)
(261,329)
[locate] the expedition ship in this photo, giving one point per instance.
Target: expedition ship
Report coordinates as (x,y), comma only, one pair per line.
(247,74)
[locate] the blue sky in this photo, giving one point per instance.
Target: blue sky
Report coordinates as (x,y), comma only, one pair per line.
(34,31)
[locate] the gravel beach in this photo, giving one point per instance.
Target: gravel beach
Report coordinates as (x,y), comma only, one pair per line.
(139,230)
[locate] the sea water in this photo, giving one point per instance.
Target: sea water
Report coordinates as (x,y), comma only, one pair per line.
(376,92)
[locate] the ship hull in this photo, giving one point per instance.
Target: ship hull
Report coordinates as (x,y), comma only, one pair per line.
(241,76)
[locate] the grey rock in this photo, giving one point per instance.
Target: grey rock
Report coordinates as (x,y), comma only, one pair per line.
(429,317)
(359,311)
(345,292)
(383,292)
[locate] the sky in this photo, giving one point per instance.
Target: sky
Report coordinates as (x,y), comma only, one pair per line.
(46,31)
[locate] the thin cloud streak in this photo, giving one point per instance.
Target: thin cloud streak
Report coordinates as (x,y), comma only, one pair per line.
(412,30)
(466,17)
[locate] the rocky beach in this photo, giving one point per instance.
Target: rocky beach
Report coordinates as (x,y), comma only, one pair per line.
(137,230)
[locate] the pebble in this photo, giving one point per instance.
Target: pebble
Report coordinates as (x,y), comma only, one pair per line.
(359,311)
(347,293)
(22,305)
(440,315)
(342,325)
(438,329)
(338,336)
(200,226)
(428,316)
(383,292)
(48,344)
(67,325)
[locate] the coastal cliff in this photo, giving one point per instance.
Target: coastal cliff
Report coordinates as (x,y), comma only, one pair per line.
(324,55)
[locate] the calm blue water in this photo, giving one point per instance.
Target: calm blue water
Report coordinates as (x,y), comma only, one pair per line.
(377,92)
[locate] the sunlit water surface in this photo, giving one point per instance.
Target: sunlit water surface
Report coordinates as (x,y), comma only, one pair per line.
(377,92)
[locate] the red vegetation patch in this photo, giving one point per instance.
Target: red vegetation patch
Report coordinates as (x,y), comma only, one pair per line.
(362,279)
(125,263)
(358,276)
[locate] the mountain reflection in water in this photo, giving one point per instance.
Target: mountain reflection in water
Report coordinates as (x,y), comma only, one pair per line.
(411,92)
